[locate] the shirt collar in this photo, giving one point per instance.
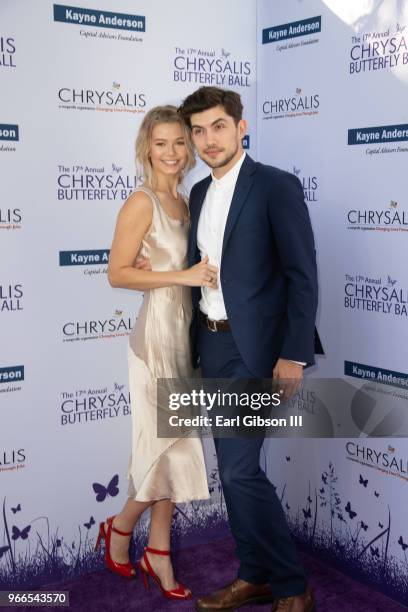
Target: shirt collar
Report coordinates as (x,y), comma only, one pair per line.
(231,176)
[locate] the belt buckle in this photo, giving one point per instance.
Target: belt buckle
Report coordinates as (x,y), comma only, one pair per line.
(209,326)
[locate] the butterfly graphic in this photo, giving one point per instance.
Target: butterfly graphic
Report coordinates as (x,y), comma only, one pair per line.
(58,543)
(116,168)
(118,387)
(23,534)
(376,494)
(102,492)
(287,458)
(298,90)
(363,526)
(321,490)
(3,549)
(392,283)
(287,506)
(400,29)
(374,551)
(340,517)
(307,513)
(115,85)
(349,511)
(324,478)
(391,448)
(363,482)
(118,313)
(402,544)
(309,499)
(91,522)
(296,170)
(381,526)
(225,53)
(393,204)
(17,509)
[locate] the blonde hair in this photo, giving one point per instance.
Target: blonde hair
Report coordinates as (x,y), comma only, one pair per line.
(155,116)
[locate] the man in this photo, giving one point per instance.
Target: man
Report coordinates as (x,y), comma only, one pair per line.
(252,222)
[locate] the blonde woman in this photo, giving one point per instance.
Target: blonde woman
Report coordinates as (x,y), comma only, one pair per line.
(154,222)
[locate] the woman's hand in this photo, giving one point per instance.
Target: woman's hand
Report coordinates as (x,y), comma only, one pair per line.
(202,274)
(142,263)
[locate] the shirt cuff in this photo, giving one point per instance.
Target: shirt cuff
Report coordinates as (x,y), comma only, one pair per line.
(302,363)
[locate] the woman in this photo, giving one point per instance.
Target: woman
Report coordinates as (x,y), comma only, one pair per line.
(154,221)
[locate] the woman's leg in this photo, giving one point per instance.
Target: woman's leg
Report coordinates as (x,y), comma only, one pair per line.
(125,521)
(159,538)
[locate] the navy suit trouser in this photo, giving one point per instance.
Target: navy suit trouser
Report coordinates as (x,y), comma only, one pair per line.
(265,548)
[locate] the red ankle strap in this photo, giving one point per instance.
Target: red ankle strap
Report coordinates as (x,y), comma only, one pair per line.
(123,533)
(157,552)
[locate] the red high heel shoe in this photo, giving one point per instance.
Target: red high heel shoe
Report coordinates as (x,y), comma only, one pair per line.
(178,593)
(124,569)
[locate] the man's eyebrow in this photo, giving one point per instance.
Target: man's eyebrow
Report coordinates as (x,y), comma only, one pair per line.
(213,123)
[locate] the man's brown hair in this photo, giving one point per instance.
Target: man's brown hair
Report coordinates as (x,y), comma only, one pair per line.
(208,97)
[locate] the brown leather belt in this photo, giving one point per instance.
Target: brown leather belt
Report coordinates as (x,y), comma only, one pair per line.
(214,326)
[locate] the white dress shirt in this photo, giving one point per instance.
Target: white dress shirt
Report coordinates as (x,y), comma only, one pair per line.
(210,235)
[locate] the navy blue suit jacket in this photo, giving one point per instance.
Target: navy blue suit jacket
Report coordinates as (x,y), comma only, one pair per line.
(268,268)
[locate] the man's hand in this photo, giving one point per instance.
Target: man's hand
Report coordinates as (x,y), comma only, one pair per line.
(142,263)
(287,376)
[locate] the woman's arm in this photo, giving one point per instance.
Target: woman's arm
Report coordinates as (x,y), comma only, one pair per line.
(134,219)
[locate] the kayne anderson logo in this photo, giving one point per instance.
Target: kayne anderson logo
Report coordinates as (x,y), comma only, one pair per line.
(111,99)
(391,218)
(374,50)
(118,325)
(306,27)
(99,19)
(10,378)
(9,133)
(210,67)
(84,405)
(94,183)
(299,104)
(380,135)
(7,52)
(386,461)
(94,262)
(12,460)
(374,374)
(310,184)
(362,292)
(11,297)
(11,218)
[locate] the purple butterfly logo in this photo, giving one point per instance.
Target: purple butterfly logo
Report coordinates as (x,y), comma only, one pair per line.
(16,509)
(403,545)
(91,522)
(349,511)
(103,492)
(23,534)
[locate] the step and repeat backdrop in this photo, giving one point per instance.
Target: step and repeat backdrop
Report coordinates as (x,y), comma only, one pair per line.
(324,86)
(332,89)
(76,82)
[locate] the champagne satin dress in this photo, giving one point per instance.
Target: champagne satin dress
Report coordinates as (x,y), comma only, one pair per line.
(159,347)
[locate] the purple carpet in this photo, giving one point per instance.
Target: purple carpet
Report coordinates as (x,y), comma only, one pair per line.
(205,568)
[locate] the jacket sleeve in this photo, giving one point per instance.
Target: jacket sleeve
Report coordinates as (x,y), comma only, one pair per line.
(294,239)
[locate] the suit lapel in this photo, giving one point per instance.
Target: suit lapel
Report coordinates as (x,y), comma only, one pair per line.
(242,187)
(193,256)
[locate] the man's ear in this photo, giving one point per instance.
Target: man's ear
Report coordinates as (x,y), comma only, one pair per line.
(242,128)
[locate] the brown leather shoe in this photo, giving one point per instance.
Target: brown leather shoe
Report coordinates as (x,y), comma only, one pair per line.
(297,603)
(235,595)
